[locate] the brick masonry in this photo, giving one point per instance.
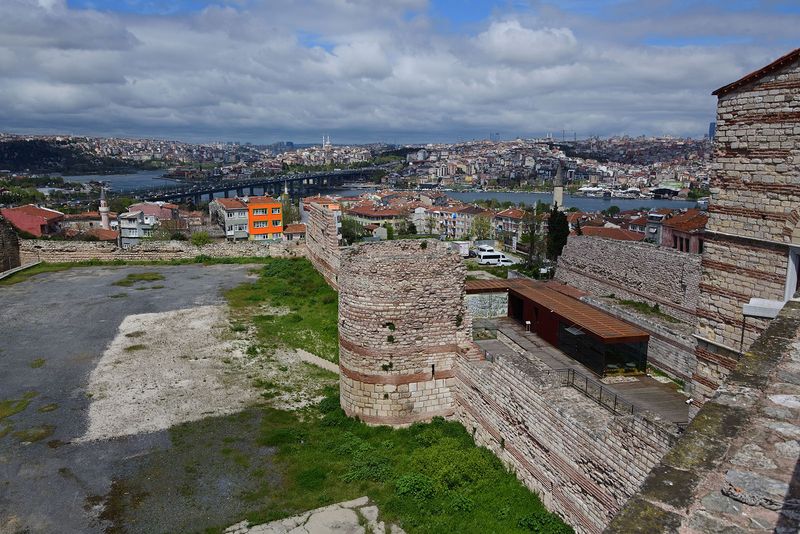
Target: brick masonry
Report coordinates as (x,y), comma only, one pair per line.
(635,271)
(402,325)
(322,239)
(485,305)
(73,251)
(753,216)
(583,461)
(9,246)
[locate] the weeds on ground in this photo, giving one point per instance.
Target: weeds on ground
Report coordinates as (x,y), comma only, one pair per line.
(38,362)
(133,278)
(293,283)
(134,348)
(12,406)
(498,271)
(643,307)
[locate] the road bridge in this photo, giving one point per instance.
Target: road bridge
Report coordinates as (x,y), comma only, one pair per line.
(298,184)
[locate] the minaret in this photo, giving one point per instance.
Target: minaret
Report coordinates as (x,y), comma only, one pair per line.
(558,186)
(103,209)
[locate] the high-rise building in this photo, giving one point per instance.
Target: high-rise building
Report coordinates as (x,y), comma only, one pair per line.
(712,129)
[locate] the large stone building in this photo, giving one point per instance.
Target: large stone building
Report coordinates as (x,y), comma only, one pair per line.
(752,241)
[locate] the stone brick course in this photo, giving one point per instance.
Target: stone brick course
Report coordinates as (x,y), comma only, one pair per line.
(73,251)
(635,271)
(322,239)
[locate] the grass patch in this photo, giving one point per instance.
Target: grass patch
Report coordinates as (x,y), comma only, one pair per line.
(497,270)
(134,348)
(658,372)
(427,478)
(38,362)
(311,323)
(12,406)
(118,296)
(646,309)
(134,278)
(137,333)
(48,408)
(34,434)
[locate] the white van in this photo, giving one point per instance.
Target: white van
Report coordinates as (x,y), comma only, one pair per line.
(490,257)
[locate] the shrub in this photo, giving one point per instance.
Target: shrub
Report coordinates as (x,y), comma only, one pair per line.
(415,485)
(199,239)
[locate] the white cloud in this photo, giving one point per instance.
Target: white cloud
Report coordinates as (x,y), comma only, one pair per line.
(357,69)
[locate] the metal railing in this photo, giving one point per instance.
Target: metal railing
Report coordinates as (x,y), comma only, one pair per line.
(596,391)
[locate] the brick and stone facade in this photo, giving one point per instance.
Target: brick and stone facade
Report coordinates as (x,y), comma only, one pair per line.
(403,324)
(752,233)
(9,246)
(73,251)
(322,239)
(631,270)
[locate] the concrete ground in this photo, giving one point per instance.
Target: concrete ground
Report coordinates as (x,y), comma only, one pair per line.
(54,330)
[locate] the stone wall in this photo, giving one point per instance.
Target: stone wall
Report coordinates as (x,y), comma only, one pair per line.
(69,251)
(485,305)
(322,239)
(402,325)
(9,246)
(582,460)
(753,215)
(634,271)
(735,469)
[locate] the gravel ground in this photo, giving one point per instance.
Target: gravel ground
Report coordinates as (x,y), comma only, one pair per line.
(54,330)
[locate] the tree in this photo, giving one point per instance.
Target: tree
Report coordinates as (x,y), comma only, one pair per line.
(389,231)
(531,222)
(557,232)
(352,230)
(199,239)
(482,227)
(291,212)
(612,211)
(578,229)
(120,204)
(430,224)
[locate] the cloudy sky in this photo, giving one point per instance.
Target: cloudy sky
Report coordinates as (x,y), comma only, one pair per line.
(378,70)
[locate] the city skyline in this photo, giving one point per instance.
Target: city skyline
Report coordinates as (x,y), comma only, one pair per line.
(400,71)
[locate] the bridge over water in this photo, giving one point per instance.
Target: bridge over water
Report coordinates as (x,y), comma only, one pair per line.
(298,184)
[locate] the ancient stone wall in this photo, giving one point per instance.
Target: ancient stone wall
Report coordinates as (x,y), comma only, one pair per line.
(735,469)
(322,238)
(9,246)
(485,305)
(583,461)
(70,251)
(402,325)
(635,271)
(753,216)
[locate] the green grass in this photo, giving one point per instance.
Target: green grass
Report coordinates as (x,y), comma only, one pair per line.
(428,478)
(311,323)
(47,408)
(498,271)
(134,348)
(643,307)
(134,278)
(12,406)
(38,362)
(34,434)
(658,372)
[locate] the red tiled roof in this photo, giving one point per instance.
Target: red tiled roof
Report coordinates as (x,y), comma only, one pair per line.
(368,211)
(33,211)
(231,203)
(261,200)
(690,221)
(619,234)
(639,221)
(294,229)
(102,234)
(511,213)
(760,73)
(87,215)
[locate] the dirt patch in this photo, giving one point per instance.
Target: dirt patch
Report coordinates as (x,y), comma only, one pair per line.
(177,374)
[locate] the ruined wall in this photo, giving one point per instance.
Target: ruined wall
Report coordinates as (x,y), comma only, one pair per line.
(69,251)
(582,460)
(671,347)
(402,324)
(753,215)
(485,305)
(322,239)
(735,469)
(9,246)
(635,271)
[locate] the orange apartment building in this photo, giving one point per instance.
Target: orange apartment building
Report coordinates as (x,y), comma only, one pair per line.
(264,218)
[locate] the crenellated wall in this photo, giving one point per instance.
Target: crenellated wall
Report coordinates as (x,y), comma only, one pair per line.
(402,325)
(71,251)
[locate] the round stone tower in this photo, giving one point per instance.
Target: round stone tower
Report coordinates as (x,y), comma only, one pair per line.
(402,325)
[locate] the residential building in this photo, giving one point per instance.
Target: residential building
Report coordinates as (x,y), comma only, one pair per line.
(655,219)
(367,214)
(133,228)
(294,232)
(508,224)
(34,220)
(231,215)
(87,220)
(264,218)
(154,212)
(464,221)
(684,231)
